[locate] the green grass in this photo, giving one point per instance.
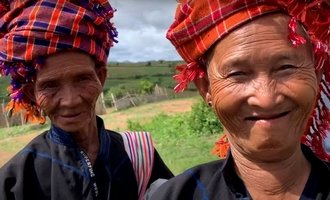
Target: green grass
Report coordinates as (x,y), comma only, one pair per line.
(179,151)
(185,152)
(129,75)
(4,82)
(138,71)
(21,130)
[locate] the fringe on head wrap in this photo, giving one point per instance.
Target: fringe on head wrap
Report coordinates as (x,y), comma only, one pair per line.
(30,30)
(199,24)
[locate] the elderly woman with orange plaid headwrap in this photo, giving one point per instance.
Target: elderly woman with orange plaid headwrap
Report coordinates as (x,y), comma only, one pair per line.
(263,66)
(56,53)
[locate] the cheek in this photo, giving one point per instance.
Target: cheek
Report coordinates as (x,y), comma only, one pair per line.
(303,90)
(46,101)
(91,92)
(226,98)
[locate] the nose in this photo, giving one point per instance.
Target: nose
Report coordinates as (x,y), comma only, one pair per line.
(264,93)
(69,96)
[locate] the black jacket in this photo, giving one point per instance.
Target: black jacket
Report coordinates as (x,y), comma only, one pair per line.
(51,167)
(218,180)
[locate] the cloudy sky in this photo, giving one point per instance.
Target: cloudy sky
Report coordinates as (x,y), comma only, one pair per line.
(142,26)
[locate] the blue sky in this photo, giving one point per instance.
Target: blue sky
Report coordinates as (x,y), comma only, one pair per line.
(142,25)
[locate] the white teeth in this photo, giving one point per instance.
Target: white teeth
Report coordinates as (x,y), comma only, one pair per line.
(255,118)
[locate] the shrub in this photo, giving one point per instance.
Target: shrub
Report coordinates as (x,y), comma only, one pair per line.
(146,87)
(163,125)
(202,119)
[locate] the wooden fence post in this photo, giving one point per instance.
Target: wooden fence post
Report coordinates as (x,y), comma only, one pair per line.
(114,101)
(4,113)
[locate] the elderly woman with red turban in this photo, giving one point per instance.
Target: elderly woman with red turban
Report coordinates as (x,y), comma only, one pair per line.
(56,53)
(263,66)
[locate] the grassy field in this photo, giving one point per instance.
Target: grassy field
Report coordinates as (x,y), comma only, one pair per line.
(178,153)
(3,86)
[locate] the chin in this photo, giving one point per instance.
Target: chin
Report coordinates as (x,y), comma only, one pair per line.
(272,151)
(71,128)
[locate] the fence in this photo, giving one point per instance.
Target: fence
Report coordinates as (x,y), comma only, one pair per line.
(6,121)
(131,100)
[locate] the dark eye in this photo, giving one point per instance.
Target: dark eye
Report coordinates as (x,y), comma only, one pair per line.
(286,67)
(84,78)
(236,74)
(48,85)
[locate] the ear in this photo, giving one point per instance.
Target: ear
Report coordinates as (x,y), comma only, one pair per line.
(28,90)
(101,73)
(203,86)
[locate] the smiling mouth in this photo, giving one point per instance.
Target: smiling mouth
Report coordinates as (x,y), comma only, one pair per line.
(71,115)
(270,117)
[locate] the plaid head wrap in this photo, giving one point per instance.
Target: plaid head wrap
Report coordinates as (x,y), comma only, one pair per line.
(200,23)
(33,29)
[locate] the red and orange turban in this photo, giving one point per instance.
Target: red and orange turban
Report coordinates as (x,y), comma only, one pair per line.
(200,23)
(33,29)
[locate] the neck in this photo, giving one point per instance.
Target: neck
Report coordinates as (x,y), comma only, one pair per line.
(88,140)
(283,179)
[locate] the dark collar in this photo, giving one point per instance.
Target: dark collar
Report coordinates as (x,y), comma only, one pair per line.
(238,188)
(61,137)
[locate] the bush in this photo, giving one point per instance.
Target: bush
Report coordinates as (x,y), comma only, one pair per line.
(163,125)
(200,121)
(146,87)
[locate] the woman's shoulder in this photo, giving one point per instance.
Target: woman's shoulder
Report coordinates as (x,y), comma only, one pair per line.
(192,183)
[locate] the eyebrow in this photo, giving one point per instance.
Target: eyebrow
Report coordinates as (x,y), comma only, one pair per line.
(278,57)
(81,73)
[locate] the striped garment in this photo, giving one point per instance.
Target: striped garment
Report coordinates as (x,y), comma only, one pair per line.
(140,150)
(31,30)
(200,24)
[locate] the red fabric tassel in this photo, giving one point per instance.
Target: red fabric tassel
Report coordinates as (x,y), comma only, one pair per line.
(187,73)
(293,36)
(221,147)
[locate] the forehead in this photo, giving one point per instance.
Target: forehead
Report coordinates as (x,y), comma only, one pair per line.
(66,63)
(265,34)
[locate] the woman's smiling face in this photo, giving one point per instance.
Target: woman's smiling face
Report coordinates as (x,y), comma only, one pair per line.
(261,87)
(67,88)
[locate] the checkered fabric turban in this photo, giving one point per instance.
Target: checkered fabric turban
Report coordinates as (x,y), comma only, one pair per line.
(200,23)
(32,29)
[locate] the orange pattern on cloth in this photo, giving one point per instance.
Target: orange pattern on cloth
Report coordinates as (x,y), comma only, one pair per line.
(33,29)
(201,23)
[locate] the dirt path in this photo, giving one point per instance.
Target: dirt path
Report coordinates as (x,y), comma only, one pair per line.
(118,120)
(4,157)
(10,146)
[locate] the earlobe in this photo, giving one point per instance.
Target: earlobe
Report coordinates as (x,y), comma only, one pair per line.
(28,90)
(208,99)
(203,86)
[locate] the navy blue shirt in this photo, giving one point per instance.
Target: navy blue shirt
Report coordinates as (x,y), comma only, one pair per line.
(218,180)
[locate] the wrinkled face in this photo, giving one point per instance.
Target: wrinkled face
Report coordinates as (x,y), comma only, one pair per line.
(67,88)
(262,89)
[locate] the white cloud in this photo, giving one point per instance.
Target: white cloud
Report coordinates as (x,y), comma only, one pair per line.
(142,26)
